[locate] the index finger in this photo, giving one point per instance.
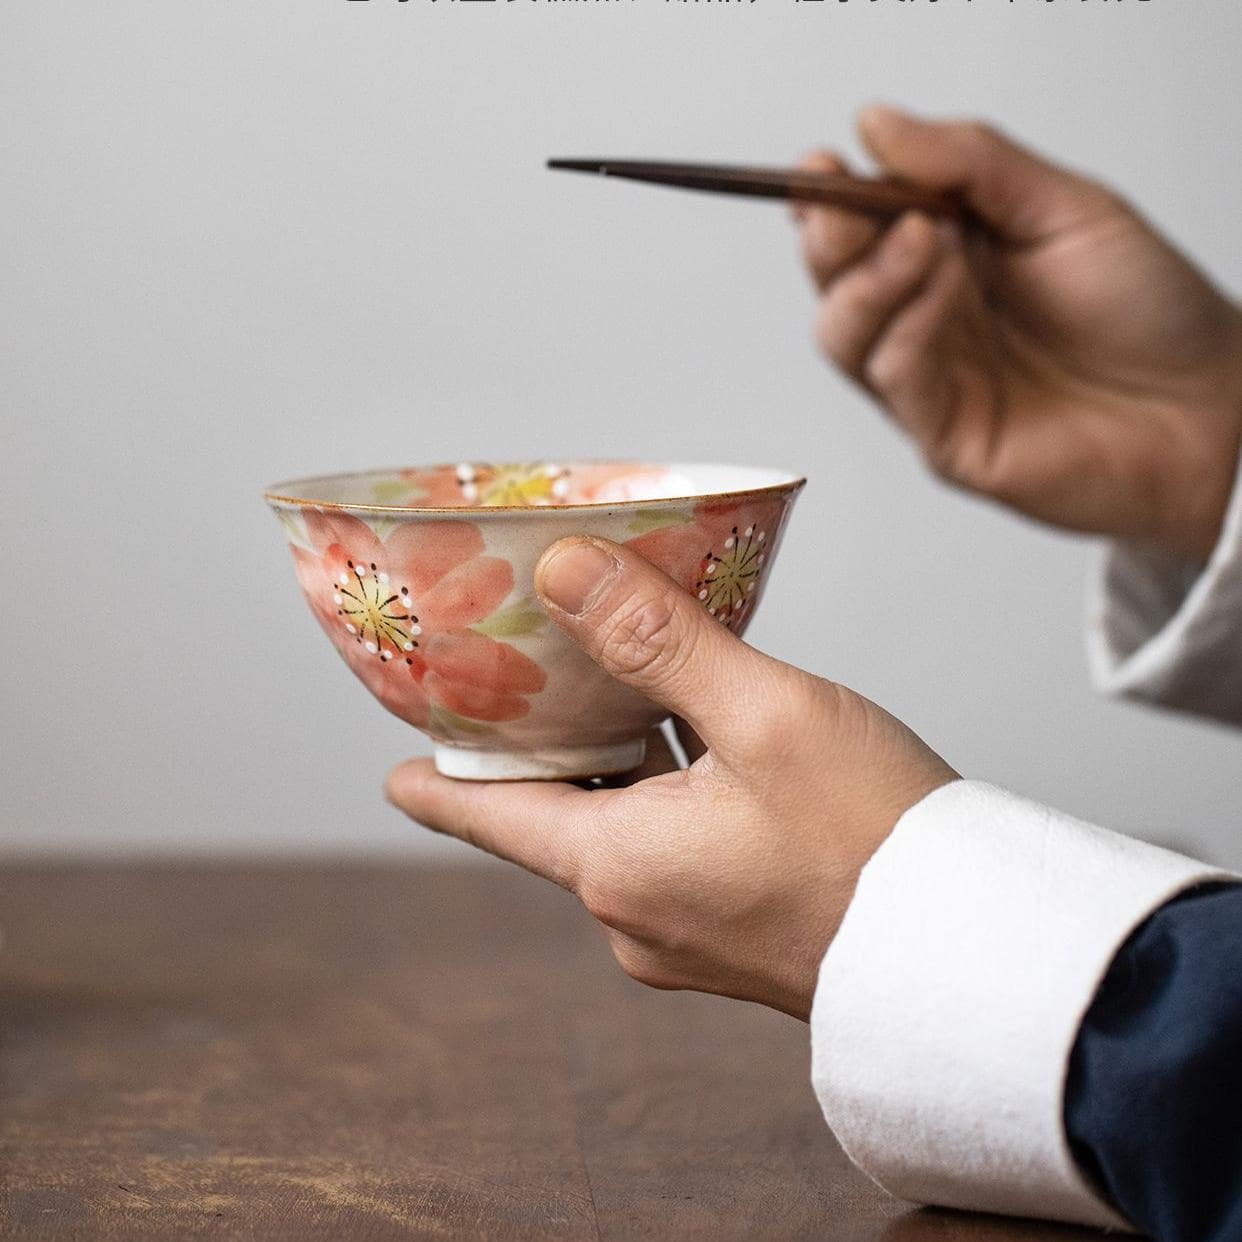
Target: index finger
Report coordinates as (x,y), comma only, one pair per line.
(832,239)
(539,825)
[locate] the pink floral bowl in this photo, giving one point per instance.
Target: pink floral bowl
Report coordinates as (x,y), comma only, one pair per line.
(423,580)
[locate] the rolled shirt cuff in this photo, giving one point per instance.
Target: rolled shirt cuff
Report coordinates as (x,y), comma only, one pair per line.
(1169,632)
(948,1004)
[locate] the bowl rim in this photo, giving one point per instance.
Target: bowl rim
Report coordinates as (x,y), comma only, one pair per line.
(280,493)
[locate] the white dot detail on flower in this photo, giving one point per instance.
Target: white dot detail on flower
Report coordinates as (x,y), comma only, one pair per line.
(408,646)
(350,628)
(415,629)
(344,579)
(372,648)
(360,571)
(337,598)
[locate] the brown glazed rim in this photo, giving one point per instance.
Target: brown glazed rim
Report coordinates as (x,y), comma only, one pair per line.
(276,494)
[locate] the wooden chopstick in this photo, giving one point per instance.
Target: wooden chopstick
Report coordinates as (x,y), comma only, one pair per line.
(871,195)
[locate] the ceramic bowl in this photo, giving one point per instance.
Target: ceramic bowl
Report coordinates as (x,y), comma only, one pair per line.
(423,580)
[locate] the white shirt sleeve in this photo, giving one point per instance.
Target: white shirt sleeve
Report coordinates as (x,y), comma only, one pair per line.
(1169,632)
(949,1002)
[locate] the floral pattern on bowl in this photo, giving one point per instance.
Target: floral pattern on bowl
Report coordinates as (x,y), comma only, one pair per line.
(717,560)
(423,581)
(521,484)
(401,610)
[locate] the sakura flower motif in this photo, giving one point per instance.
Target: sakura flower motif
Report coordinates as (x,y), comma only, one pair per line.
(400,611)
(529,484)
(523,483)
(475,483)
(717,552)
(728,578)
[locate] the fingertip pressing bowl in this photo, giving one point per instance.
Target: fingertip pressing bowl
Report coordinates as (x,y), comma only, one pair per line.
(423,578)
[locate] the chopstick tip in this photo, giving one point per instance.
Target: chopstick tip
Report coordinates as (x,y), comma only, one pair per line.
(560,163)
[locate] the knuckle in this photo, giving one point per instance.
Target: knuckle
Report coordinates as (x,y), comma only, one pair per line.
(845,325)
(1105,201)
(831,336)
(602,900)
(834,243)
(644,967)
(818,707)
(604,890)
(857,297)
(942,460)
(643,639)
(789,733)
(953,457)
(775,731)
(976,135)
(829,698)
(823,251)
(816,250)
(820,161)
(778,725)
(652,976)
(886,369)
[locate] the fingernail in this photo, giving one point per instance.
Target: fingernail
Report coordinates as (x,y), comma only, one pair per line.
(573,575)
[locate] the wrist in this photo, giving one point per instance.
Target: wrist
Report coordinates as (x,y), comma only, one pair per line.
(1198,502)
(1194,534)
(795,987)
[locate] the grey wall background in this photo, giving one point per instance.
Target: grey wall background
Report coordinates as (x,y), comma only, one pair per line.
(255,238)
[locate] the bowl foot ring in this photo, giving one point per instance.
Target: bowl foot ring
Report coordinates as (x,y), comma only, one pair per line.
(559,763)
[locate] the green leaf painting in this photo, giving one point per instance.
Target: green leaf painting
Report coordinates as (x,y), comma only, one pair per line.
(393,490)
(524,617)
(295,528)
(647,520)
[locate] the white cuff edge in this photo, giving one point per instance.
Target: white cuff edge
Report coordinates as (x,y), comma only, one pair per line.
(981,1124)
(1141,672)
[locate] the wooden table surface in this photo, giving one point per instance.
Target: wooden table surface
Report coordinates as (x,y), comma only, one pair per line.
(393,1052)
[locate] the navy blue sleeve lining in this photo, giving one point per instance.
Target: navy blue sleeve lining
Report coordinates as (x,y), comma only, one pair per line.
(1153,1102)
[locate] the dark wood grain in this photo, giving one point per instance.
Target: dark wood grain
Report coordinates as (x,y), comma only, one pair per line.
(392,1052)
